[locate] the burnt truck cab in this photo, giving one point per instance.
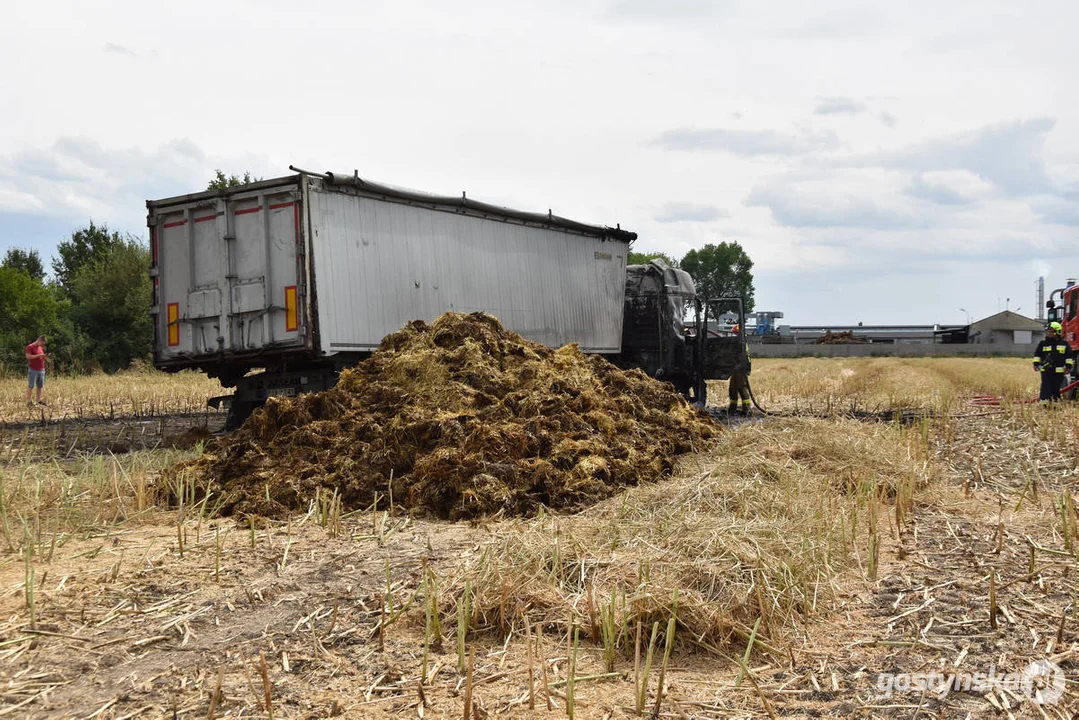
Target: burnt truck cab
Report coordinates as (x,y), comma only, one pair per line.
(671,334)
(723,346)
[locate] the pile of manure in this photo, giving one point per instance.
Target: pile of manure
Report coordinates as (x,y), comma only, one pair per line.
(466,420)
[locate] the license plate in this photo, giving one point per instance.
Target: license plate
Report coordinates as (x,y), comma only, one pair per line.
(281,392)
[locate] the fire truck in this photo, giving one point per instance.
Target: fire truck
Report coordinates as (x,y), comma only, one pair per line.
(1063,307)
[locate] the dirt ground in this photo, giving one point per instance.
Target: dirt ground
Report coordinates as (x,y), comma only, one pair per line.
(190,617)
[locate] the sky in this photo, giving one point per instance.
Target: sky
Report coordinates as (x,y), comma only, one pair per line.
(884,163)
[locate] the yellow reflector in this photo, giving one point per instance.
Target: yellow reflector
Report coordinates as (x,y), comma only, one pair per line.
(292,322)
(174,323)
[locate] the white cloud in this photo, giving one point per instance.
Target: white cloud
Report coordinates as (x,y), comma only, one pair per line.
(838,24)
(838,134)
(677,10)
(839,106)
(745,142)
(119,50)
(689,212)
(887,118)
(77,179)
(1058,210)
(836,200)
(1010,155)
(939,193)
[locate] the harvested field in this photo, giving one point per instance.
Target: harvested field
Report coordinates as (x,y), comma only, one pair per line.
(101,414)
(803,565)
(460,419)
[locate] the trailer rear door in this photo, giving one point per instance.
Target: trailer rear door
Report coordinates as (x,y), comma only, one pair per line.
(228,279)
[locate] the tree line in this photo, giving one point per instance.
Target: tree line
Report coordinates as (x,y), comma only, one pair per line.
(95,309)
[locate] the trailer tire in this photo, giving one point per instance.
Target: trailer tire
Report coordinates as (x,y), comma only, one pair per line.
(701,393)
(239,411)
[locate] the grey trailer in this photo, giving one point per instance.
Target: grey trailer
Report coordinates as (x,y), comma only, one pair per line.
(303,275)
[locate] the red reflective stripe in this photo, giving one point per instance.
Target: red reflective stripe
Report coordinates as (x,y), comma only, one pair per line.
(205,218)
(248,210)
(278,206)
(178,223)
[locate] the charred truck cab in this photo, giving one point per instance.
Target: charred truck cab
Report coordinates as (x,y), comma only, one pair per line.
(671,334)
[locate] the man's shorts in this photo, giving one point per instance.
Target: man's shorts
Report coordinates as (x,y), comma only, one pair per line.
(37,377)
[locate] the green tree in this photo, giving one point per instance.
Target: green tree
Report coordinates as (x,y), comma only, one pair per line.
(111,305)
(722,270)
(636,258)
(69,347)
(27,309)
(86,245)
(222,181)
(29,261)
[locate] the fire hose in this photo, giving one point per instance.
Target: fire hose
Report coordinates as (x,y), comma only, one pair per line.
(757,405)
(996,399)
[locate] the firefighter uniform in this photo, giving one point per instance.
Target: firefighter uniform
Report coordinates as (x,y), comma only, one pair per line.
(739,388)
(1053,358)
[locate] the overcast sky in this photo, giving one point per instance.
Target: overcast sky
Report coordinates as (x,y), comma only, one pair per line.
(880,162)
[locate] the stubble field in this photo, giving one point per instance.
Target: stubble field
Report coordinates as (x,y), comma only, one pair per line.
(886,523)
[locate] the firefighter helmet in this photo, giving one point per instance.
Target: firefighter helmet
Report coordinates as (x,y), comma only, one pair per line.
(1056,327)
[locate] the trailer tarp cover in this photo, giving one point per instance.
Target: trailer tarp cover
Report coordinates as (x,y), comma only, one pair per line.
(548,220)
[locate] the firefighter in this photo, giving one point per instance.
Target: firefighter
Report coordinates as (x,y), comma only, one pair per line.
(738,388)
(1052,359)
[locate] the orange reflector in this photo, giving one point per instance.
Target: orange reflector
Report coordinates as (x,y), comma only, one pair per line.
(174,323)
(292,322)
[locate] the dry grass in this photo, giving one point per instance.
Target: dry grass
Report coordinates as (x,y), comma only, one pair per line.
(761,526)
(44,502)
(783,544)
(139,393)
(937,384)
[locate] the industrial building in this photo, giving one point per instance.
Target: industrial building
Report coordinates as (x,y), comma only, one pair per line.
(1003,328)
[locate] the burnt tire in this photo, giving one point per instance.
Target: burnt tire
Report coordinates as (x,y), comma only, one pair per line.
(239,411)
(700,392)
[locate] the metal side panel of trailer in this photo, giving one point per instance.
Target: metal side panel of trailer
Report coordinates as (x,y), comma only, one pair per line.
(229,276)
(380,262)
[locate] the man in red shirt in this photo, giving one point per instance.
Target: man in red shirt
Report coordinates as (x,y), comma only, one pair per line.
(35,359)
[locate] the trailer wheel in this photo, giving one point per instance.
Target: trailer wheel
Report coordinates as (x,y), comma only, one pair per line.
(700,392)
(239,411)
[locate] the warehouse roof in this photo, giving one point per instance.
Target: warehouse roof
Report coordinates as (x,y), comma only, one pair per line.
(1007,320)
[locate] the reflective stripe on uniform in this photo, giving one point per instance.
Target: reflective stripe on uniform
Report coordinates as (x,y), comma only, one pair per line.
(1061,348)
